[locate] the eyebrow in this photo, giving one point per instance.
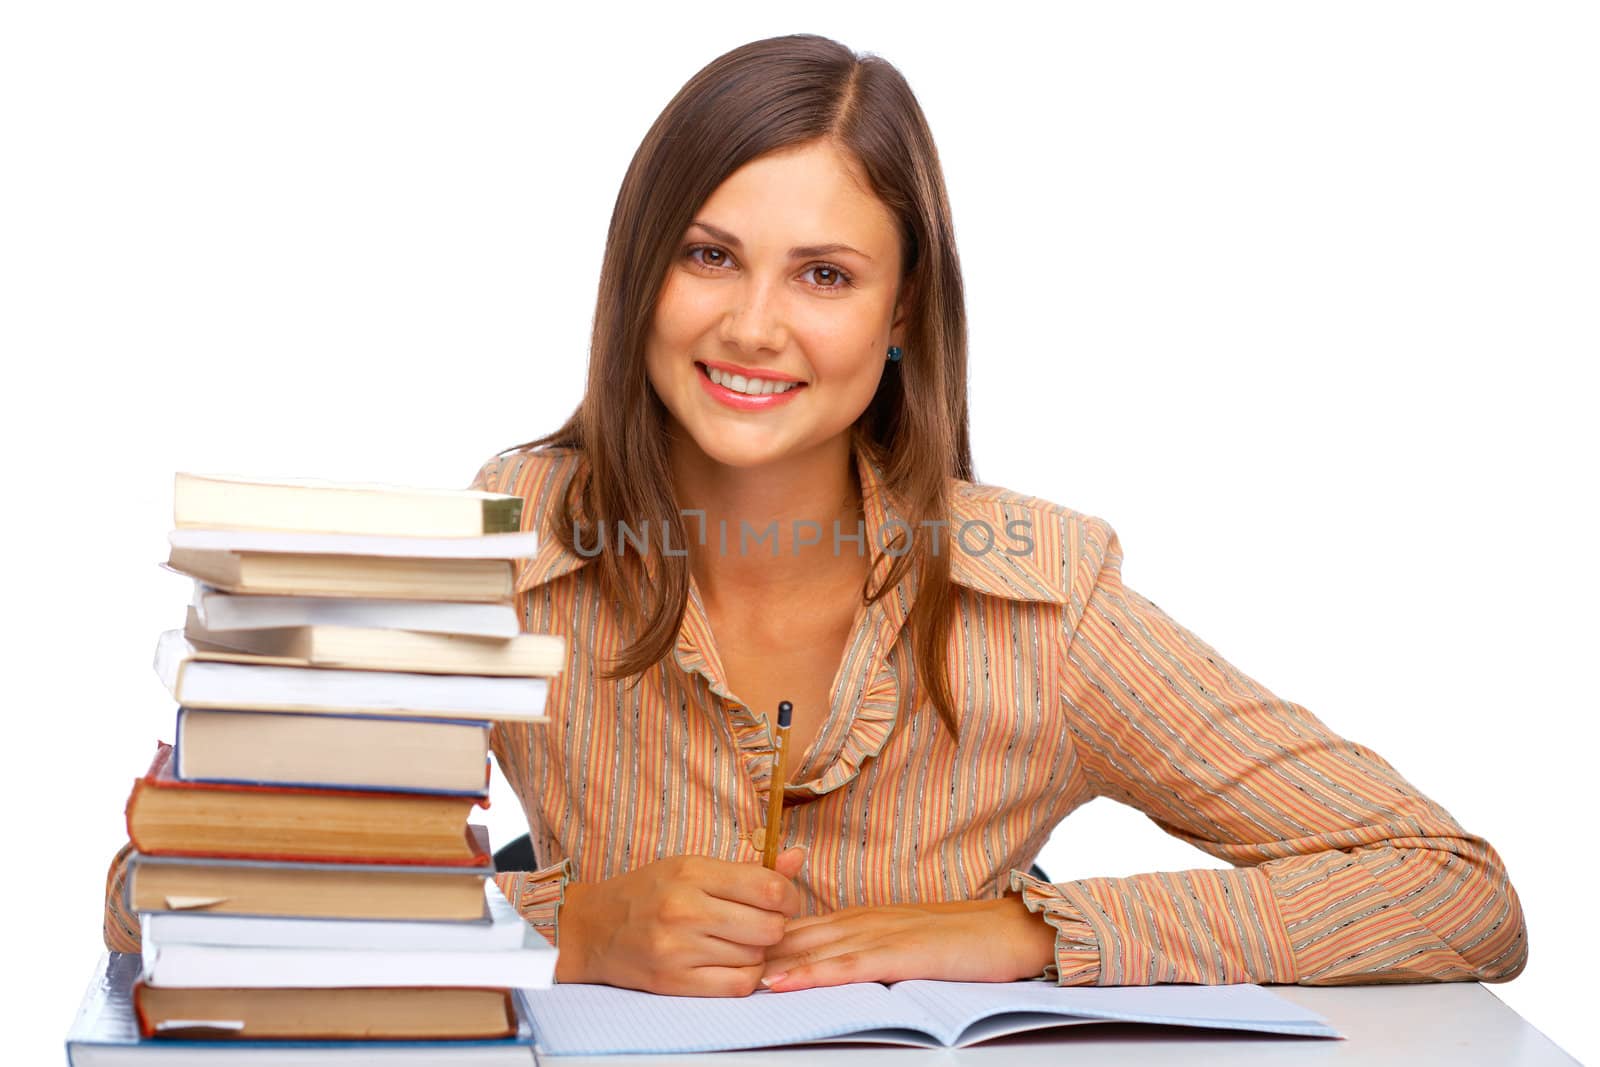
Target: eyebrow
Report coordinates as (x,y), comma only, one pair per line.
(799,252)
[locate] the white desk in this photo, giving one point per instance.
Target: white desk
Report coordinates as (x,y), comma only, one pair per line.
(1451,1024)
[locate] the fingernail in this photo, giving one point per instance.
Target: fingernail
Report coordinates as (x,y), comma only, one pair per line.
(769,979)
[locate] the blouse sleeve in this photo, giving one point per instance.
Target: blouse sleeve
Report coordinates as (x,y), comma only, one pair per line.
(537,896)
(120,925)
(1343,872)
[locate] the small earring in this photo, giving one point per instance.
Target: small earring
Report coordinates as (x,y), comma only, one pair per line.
(894,353)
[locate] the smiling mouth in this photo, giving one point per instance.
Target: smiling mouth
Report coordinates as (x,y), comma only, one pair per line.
(747,386)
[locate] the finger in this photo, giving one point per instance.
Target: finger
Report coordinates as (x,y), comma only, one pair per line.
(753,885)
(820,939)
(720,952)
(740,923)
(713,981)
(789,861)
(870,963)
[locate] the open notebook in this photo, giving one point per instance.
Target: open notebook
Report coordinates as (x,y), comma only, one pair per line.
(601,1020)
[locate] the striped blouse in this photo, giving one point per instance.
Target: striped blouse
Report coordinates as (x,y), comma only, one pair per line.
(1069,685)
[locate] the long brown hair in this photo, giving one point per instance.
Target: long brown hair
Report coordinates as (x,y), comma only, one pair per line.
(758,98)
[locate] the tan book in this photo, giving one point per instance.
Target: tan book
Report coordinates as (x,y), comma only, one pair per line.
(168,815)
(367,649)
(332,751)
(221,501)
(324,1014)
(383,577)
(308,890)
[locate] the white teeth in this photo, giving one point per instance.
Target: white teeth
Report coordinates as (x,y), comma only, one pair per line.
(749,386)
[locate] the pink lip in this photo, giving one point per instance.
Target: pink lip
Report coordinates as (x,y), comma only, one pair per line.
(741,401)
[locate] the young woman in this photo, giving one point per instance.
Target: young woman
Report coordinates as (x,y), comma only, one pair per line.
(766,494)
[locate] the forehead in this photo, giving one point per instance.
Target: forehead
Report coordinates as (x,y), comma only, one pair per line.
(812,194)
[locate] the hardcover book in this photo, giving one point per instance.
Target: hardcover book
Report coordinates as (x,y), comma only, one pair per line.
(378,577)
(368,891)
(106,1032)
(333,751)
(167,815)
(231,611)
(507,953)
(366,648)
(218,678)
(213,501)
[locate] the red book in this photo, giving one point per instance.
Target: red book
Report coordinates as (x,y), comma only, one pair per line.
(173,817)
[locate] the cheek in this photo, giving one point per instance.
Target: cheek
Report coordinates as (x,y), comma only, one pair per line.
(847,353)
(684,311)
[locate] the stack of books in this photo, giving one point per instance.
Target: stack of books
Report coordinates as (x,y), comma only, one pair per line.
(305,869)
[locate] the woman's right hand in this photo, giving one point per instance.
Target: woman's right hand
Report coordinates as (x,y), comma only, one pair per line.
(685,925)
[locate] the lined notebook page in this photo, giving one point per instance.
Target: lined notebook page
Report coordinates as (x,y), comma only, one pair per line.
(601,1020)
(571,1020)
(959,1005)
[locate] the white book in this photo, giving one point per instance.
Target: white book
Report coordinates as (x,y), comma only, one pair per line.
(501,931)
(486,546)
(216,679)
(232,611)
(530,963)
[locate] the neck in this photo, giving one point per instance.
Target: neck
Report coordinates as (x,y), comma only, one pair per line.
(769,513)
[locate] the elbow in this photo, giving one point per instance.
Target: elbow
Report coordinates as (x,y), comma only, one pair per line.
(120,927)
(1497,949)
(1480,916)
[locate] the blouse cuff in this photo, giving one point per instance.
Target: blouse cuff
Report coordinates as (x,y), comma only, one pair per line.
(537,896)
(1077,946)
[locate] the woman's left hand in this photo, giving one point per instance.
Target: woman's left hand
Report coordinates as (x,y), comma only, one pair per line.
(959,941)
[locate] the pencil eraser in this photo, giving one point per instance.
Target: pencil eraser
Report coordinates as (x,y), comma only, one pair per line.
(784,710)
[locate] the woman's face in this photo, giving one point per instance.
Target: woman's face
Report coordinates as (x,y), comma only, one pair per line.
(790,273)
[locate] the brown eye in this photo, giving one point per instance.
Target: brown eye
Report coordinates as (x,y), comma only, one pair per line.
(708,250)
(828,277)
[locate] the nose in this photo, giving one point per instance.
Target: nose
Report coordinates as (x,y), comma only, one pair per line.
(755,321)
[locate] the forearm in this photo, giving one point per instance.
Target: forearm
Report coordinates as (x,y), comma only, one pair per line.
(1397,913)
(1343,871)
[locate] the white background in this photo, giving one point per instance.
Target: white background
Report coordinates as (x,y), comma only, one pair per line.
(1301,298)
